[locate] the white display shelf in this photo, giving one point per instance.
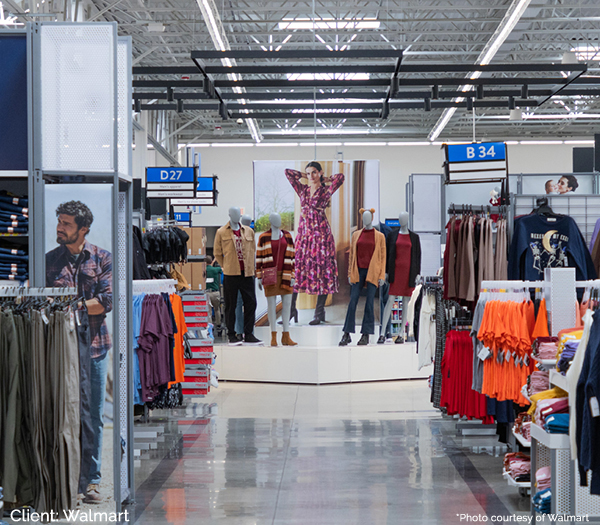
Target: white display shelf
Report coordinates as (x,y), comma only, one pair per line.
(318,364)
(557,379)
(513,483)
(521,439)
(554,441)
(547,364)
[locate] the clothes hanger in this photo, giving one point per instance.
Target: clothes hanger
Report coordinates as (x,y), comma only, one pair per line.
(543,208)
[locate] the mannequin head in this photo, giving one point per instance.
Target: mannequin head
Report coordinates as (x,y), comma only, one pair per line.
(275,220)
(367,217)
(246,220)
(403,219)
(314,173)
(235,215)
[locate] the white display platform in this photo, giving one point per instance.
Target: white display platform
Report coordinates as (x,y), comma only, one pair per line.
(317,359)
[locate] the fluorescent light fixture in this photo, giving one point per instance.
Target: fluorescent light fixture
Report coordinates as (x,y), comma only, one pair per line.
(511,142)
(409,143)
(277,144)
(232,145)
(194,145)
(327,23)
(313,144)
(581,142)
(541,142)
(365,143)
(328,76)
(505,28)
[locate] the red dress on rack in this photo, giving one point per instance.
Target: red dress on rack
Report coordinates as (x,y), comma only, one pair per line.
(401,286)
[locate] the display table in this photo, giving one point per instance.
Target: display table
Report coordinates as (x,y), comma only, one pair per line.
(318,363)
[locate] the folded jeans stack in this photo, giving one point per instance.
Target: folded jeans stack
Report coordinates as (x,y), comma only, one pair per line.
(14,214)
(13,264)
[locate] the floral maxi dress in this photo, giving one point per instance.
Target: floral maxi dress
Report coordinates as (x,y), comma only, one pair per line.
(316,267)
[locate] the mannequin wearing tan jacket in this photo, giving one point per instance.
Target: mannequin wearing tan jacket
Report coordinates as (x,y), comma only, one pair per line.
(235,250)
(366,266)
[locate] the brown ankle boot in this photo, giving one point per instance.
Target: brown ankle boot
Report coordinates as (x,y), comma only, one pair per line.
(286,340)
(274,338)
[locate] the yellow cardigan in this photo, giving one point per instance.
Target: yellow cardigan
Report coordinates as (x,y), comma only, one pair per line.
(376,270)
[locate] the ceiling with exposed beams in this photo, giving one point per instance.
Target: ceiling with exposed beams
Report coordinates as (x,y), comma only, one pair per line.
(165,32)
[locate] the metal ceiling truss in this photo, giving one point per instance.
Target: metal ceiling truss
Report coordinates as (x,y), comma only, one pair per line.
(278,96)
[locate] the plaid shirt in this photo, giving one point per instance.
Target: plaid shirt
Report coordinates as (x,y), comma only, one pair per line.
(92,276)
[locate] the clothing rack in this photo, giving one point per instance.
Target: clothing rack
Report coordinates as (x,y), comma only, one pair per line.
(454,209)
(24,291)
(153,286)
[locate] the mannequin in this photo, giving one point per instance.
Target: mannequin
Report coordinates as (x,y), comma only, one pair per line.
(402,267)
(366,266)
(234,250)
(246,220)
(276,249)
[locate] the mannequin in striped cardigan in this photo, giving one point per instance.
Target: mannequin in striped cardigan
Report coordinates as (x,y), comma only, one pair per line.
(276,249)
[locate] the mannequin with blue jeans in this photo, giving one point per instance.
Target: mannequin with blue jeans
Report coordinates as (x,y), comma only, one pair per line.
(246,220)
(368,324)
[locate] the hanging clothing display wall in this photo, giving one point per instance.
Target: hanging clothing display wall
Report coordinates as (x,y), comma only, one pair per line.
(475,251)
(44,410)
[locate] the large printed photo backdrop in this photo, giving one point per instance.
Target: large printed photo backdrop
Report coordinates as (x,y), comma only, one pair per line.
(346,187)
(81,215)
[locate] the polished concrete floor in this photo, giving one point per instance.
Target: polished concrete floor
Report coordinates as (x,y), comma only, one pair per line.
(369,453)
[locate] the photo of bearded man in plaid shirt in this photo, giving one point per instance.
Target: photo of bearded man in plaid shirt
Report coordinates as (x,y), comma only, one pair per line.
(78,263)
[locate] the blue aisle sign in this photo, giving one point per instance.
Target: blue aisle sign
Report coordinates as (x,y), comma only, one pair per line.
(183,217)
(13,103)
(476,162)
(169,183)
(476,152)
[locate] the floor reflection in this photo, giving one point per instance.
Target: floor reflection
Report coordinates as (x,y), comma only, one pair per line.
(407,465)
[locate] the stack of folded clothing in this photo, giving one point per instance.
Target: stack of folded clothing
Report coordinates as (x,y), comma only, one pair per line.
(567,356)
(13,264)
(542,501)
(14,214)
(523,425)
(545,347)
(518,465)
(542,478)
(546,407)
(557,424)
(542,400)
(539,380)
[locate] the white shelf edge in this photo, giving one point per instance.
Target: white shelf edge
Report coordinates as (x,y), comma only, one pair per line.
(521,439)
(548,364)
(557,379)
(14,173)
(513,483)
(554,441)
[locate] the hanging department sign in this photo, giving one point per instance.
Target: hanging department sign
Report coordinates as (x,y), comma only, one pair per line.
(476,162)
(171,183)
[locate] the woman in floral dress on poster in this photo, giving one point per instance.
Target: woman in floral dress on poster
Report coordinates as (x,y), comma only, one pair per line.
(316,267)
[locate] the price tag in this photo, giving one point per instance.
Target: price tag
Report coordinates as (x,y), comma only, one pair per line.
(484,353)
(71,320)
(594,407)
(45,317)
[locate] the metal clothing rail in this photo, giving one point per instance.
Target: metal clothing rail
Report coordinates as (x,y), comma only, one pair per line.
(154,286)
(24,291)
(533,284)
(476,208)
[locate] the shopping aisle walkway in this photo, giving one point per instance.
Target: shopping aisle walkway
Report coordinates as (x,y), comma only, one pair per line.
(369,453)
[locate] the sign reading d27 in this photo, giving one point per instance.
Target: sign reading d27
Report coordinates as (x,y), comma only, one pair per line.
(476,152)
(170,175)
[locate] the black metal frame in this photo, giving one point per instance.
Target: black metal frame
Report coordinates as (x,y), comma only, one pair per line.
(487,92)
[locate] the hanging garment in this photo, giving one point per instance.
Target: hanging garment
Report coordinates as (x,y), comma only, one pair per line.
(427,330)
(457,395)
(548,242)
(178,357)
(501,258)
(316,265)
(450,258)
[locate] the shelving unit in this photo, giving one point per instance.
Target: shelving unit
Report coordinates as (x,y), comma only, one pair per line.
(557,379)
(521,439)
(396,318)
(523,486)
